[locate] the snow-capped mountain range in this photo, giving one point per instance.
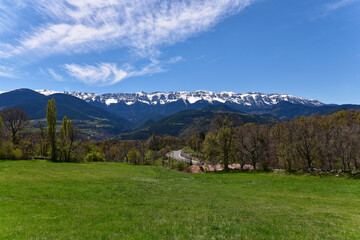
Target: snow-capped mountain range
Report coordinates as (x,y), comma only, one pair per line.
(250,99)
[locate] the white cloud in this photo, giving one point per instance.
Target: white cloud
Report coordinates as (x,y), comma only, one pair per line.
(142,26)
(55,75)
(51,73)
(109,73)
(153,67)
(176,59)
(8,15)
(6,72)
(103,74)
(79,26)
(335,5)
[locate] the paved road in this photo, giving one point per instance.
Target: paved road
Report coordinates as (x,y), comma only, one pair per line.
(177,155)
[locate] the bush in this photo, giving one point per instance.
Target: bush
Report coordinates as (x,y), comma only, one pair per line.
(7,151)
(182,166)
(94,156)
(17,153)
(7,148)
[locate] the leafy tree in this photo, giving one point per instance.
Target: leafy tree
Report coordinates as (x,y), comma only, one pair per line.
(142,151)
(124,151)
(2,153)
(51,122)
(220,143)
(226,143)
(256,144)
(63,139)
(133,155)
(154,142)
(43,140)
(1,129)
(163,153)
(210,148)
(104,148)
(154,155)
(114,153)
(284,145)
(70,139)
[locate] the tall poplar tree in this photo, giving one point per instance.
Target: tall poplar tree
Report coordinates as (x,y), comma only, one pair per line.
(1,129)
(51,122)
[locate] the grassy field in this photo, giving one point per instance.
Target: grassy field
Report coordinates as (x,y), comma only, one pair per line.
(44,200)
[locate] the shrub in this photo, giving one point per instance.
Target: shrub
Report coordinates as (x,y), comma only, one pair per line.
(6,150)
(17,153)
(182,166)
(94,156)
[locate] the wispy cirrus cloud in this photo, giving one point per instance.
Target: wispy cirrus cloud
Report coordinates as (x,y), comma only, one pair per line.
(52,73)
(104,74)
(335,5)
(9,14)
(80,26)
(55,75)
(74,27)
(6,72)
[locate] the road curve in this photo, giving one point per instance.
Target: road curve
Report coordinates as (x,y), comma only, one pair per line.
(177,156)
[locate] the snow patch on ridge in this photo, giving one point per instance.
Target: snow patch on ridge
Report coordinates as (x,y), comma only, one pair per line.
(111,101)
(250,99)
(47,92)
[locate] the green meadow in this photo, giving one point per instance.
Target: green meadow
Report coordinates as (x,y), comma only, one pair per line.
(45,200)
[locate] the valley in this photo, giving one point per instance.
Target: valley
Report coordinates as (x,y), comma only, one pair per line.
(179,119)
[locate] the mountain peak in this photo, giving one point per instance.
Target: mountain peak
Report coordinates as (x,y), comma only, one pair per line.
(248,99)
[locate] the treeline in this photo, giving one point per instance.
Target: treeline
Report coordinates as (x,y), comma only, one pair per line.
(307,143)
(22,139)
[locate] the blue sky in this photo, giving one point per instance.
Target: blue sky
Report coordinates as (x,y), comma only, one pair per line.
(305,48)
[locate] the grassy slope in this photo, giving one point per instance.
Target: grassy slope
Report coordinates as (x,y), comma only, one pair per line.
(41,200)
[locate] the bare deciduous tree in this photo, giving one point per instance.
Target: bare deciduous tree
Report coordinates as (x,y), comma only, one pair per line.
(307,144)
(14,121)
